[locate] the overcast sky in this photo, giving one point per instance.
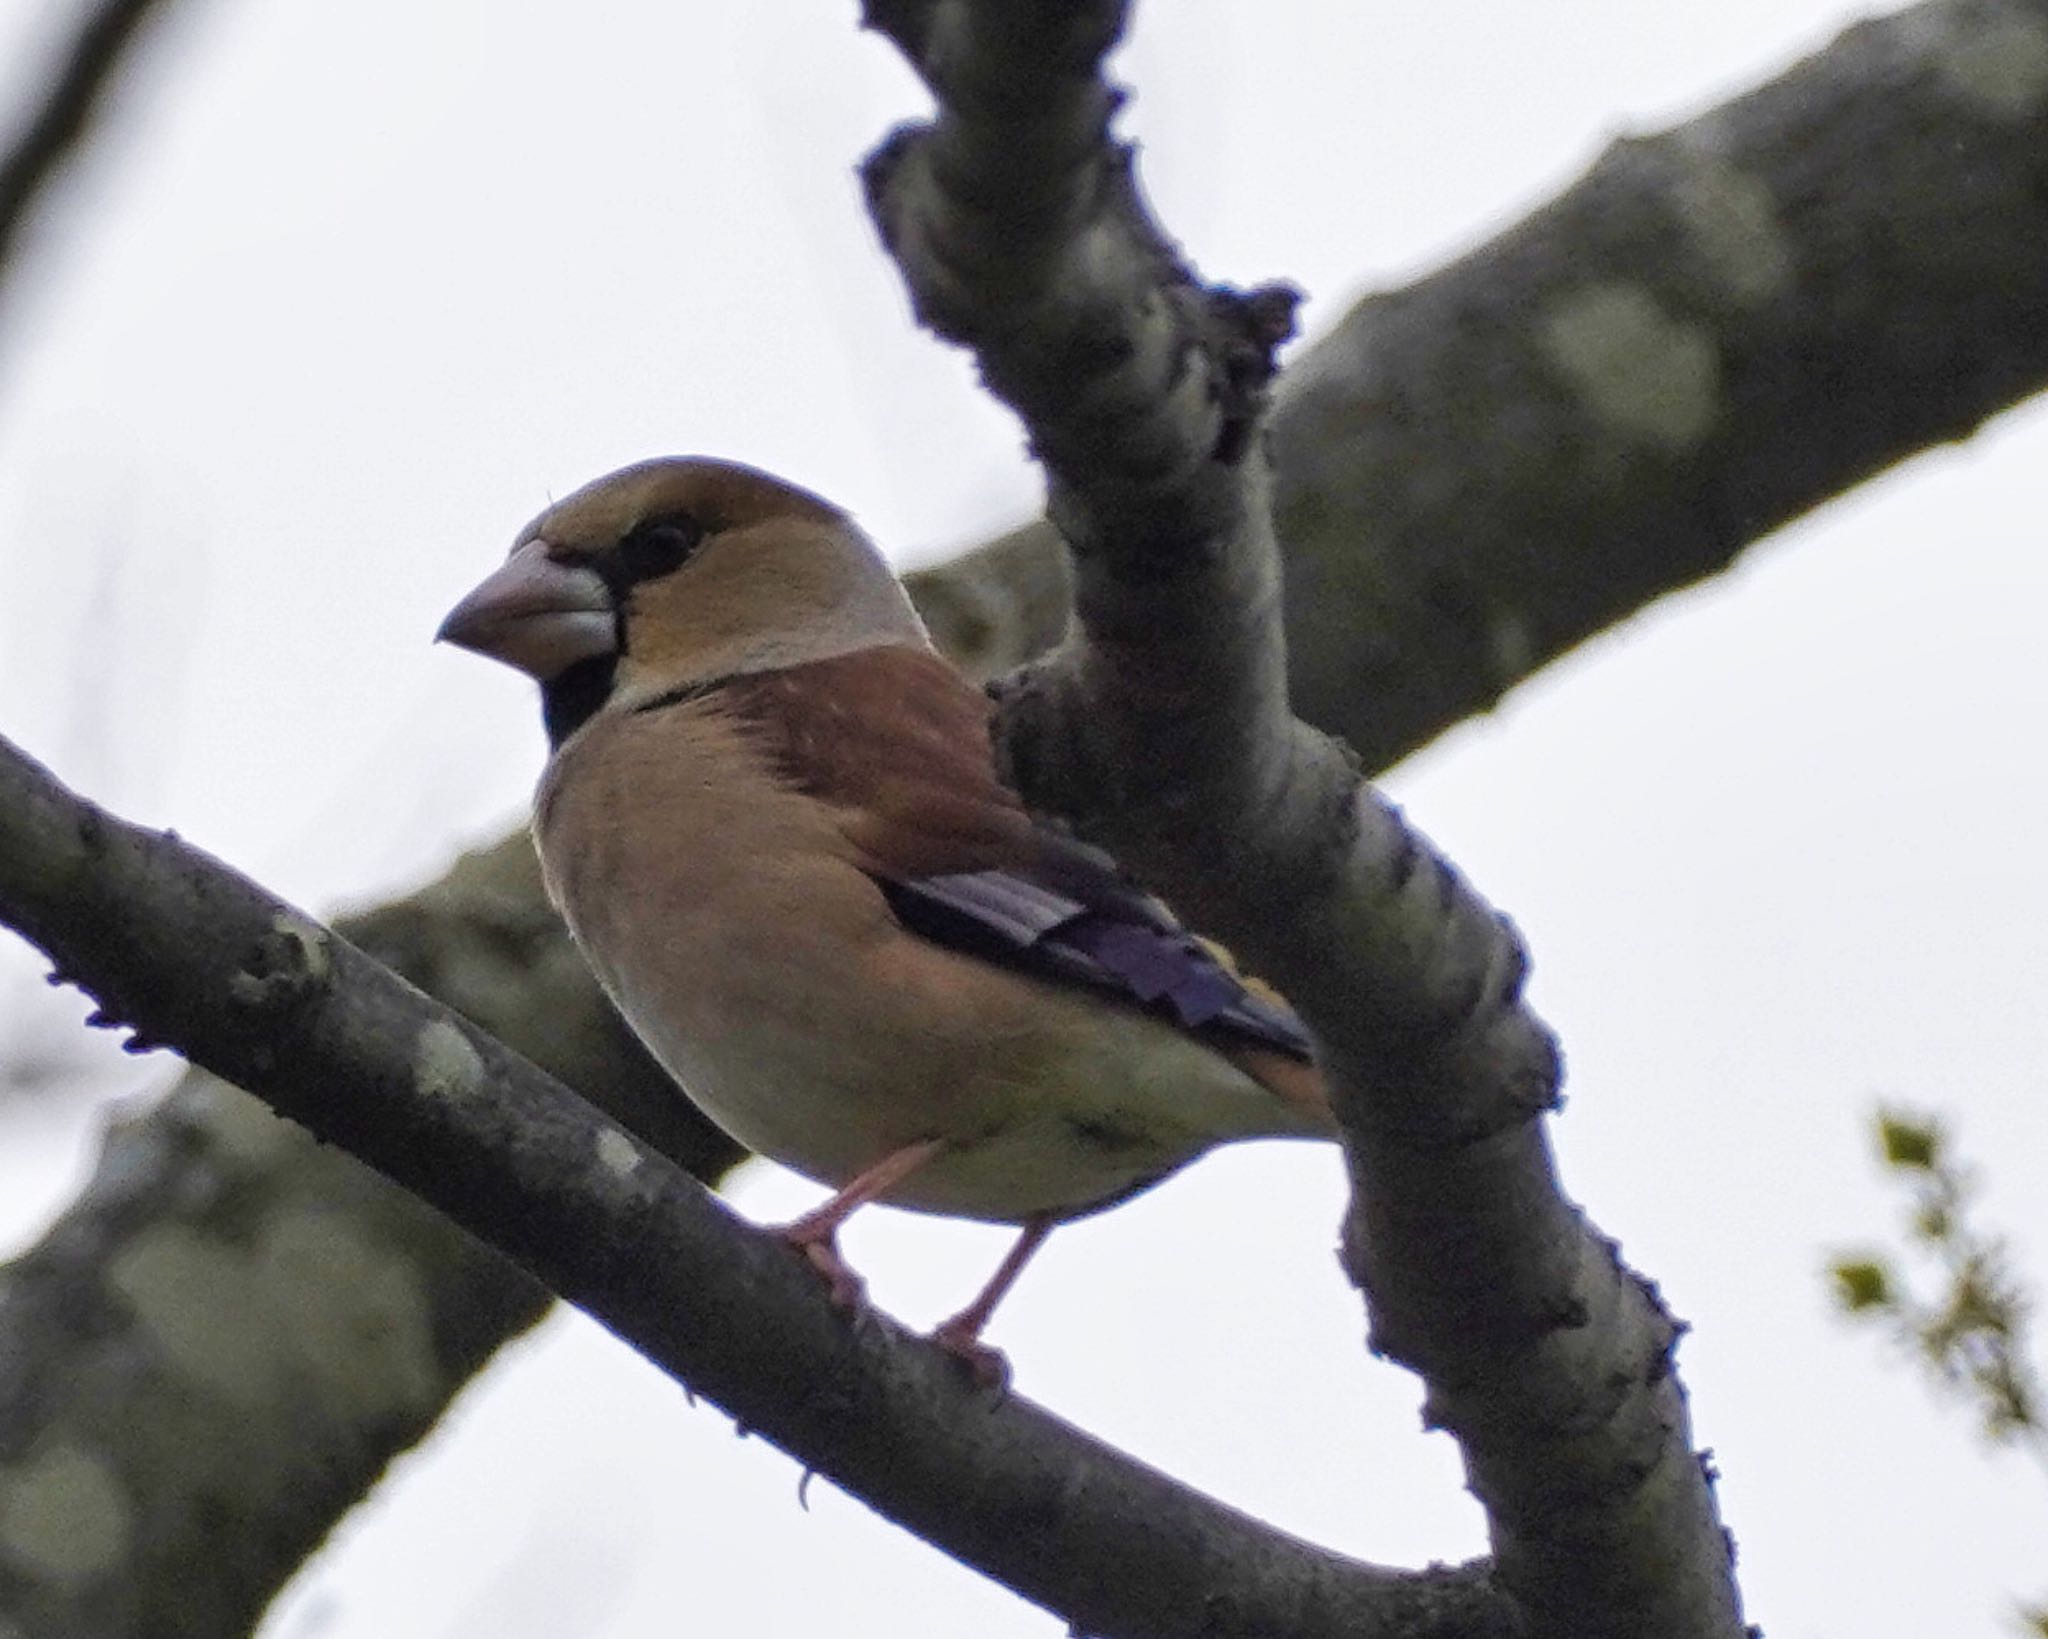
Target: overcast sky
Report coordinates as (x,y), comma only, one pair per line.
(350,290)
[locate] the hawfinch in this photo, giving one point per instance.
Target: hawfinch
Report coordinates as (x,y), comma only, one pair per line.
(773,822)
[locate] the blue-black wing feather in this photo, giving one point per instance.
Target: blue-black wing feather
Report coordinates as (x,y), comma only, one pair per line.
(1117,939)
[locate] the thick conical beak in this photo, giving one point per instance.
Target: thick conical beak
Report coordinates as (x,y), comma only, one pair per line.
(537,614)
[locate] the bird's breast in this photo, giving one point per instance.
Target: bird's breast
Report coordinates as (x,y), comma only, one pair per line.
(732,925)
(715,908)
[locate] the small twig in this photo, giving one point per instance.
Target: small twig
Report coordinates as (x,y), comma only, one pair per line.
(1970,1332)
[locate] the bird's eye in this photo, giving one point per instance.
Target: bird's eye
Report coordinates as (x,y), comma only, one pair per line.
(658,546)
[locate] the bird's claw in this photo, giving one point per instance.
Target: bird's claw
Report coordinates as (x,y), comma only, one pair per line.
(988,1365)
(845,1288)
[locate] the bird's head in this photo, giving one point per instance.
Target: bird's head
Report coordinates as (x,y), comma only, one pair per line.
(672,575)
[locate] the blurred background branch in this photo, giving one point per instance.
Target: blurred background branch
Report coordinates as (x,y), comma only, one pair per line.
(83,75)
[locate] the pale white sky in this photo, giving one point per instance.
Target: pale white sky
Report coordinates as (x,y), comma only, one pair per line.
(352,289)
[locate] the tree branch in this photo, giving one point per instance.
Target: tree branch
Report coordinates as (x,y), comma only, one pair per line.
(1162,726)
(295,1318)
(60,122)
(179,948)
(1715,330)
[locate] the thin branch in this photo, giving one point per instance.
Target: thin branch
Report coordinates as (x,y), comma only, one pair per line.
(1163,727)
(182,950)
(60,122)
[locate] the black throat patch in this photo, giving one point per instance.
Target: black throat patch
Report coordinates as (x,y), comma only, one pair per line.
(571,698)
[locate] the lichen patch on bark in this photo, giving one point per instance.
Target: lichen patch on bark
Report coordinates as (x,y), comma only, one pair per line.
(444,1063)
(1731,223)
(310,1305)
(617,1153)
(1999,65)
(1645,375)
(64,1515)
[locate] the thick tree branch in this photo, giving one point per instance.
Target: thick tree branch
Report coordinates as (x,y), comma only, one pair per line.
(179,948)
(1715,330)
(1163,726)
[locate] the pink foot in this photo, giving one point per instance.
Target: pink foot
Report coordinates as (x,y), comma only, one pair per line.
(988,1365)
(821,1252)
(813,1234)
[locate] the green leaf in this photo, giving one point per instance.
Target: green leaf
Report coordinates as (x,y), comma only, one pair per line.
(1862,1284)
(1908,1142)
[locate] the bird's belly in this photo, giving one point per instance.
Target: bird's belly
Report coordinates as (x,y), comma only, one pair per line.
(1024,1130)
(775,985)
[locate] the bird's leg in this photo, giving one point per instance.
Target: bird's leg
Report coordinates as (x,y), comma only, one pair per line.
(962,1334)
(815,1234)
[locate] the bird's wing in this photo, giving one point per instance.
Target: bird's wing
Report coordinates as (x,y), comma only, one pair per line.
(1005,916)
(896,742)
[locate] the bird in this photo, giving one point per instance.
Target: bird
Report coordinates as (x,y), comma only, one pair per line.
(773,821)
